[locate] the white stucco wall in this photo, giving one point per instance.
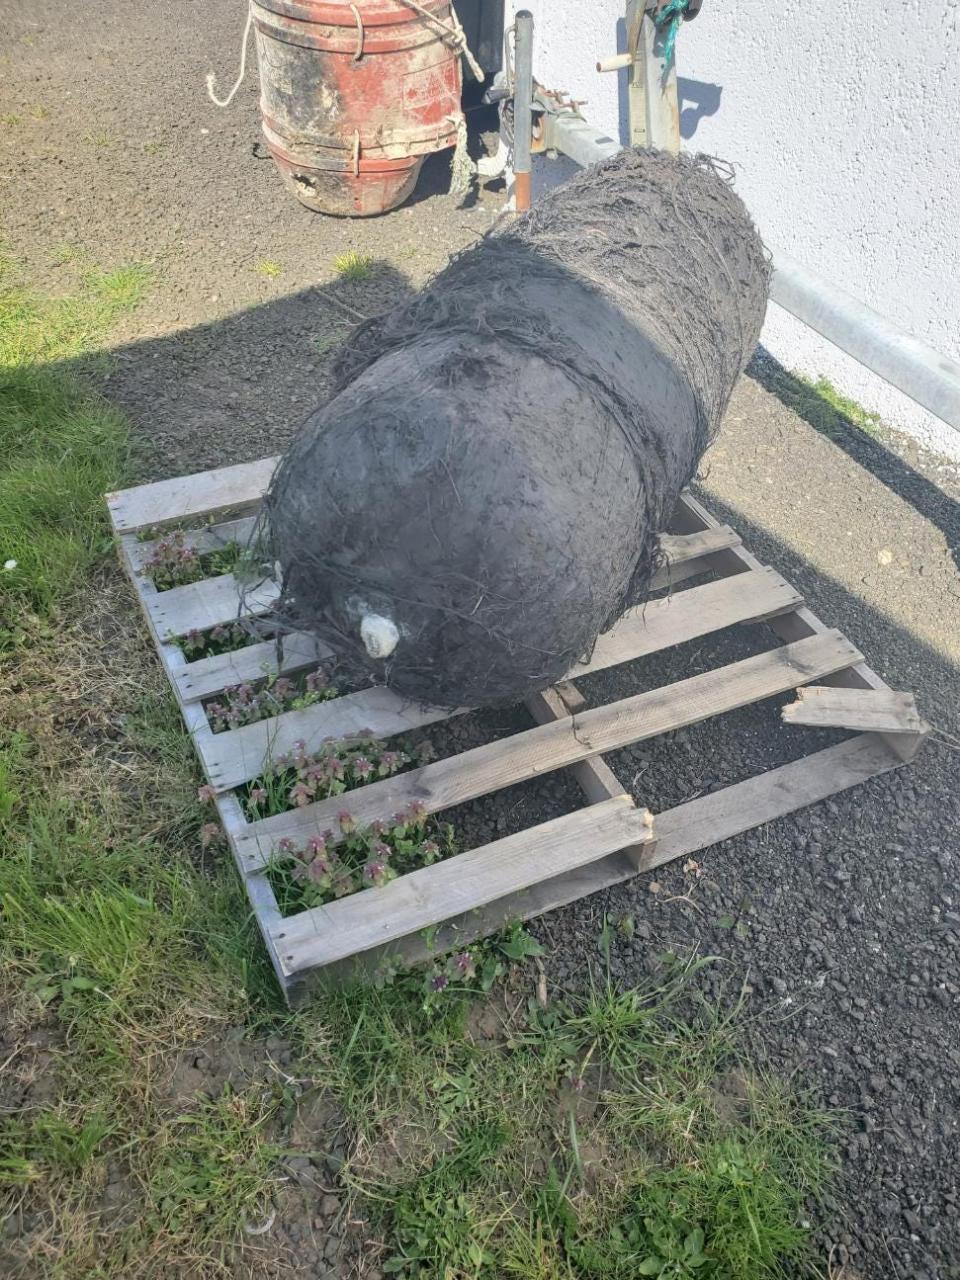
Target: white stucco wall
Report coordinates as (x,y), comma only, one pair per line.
(844,126)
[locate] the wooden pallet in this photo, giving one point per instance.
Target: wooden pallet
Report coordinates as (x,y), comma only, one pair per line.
(607,841)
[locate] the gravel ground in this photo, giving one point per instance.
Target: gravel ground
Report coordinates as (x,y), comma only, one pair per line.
(843,920)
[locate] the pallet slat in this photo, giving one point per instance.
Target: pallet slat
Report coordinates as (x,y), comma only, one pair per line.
(188,497)
(690,615)
(686,829)
(377,711)
(240,754)
(210,603)
(721,814)
(876,710)
(453,781)
(210,676)
(678,548)
(463,883)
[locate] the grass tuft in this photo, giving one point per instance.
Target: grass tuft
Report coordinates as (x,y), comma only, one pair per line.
(268,267)
(821,404)
(354,265)
(217,1171)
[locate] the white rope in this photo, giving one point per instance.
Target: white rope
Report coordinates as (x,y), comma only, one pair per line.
(212,79)
(454,33)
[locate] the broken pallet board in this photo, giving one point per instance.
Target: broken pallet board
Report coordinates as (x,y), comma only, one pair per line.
(876,710)
(606,842)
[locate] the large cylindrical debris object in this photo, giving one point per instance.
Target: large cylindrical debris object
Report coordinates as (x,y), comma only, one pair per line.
(484,491)
(354,96)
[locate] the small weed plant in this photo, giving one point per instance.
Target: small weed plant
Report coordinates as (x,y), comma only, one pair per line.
(226,637)
(333,865)
(245,704)
(300,777)
(175,562)
(353,265)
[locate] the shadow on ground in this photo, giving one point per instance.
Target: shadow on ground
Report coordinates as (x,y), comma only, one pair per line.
(865,448)
(238,388)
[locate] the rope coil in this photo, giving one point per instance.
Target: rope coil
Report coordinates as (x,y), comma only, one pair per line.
(671,15)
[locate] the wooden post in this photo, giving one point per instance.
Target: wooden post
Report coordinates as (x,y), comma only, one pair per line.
(653,104)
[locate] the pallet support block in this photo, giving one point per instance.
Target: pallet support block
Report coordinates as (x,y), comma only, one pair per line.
(604,843)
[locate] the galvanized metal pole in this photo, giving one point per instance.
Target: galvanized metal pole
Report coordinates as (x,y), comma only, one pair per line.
(912,366)
(522,108)
(927,377)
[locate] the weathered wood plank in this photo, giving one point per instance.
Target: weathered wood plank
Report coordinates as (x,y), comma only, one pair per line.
(721,814)
(680,547)
(461,884)
(594,777)
(679,832)
(692,516)
(240,754)
(870,710)
(207,677)
(186,497)
(689,615)
(453,781)
(210,603)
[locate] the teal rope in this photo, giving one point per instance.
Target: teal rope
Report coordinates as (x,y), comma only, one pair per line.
(671,13)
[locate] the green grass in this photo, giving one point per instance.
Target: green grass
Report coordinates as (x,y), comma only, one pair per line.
(218,1169)
(47,1144)
(354,265)
(617,1135)
(324,343)
(61,446)
(822,405)
(269,268)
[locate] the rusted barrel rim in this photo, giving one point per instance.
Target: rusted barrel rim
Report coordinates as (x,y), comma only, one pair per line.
(308,154)
(375,13)
(386,14)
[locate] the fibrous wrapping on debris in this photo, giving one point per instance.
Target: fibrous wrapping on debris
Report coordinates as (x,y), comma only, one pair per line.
(500,453)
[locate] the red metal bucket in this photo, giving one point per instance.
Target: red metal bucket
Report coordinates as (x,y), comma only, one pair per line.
(353,97)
